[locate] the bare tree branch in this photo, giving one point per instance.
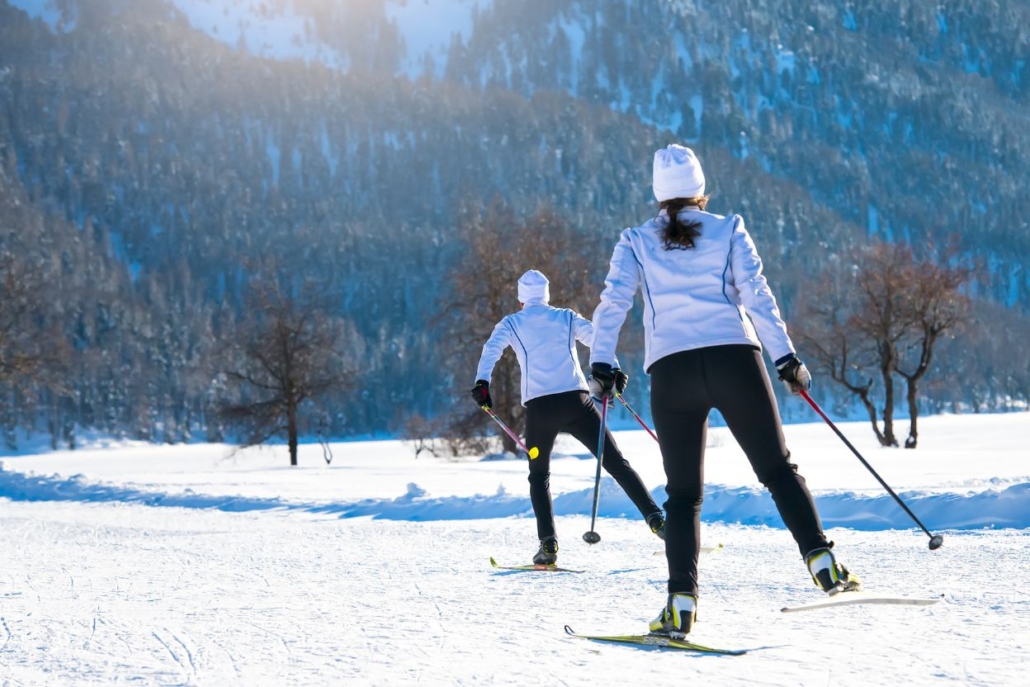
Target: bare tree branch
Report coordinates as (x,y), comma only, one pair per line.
(284,353)
(884,314)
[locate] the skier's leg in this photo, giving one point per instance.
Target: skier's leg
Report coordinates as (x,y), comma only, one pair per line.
(541,431)
(742,392)
(680,411)
(585,427)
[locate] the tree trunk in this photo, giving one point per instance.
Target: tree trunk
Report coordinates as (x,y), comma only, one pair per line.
(888,438)
(68,431)
(291,430)
(926,356)
(913,412)
(871,409)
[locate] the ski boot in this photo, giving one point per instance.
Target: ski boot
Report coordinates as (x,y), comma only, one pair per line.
(656,521)
(677,618)
(829,575)
(548,553)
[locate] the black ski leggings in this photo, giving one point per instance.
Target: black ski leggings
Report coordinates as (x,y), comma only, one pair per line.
(732,379)
(573,412)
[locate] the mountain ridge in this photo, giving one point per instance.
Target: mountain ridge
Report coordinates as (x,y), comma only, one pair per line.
(191,159)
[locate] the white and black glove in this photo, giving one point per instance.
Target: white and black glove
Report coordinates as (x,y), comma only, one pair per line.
(602,381)
(621,380)
(481,394)
(794,374)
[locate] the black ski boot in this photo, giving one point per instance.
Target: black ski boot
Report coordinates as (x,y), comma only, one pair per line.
(829,575)
(656,521)
(548,553)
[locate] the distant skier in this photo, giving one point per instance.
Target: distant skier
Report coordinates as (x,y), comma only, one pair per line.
(555,394)
(704,297)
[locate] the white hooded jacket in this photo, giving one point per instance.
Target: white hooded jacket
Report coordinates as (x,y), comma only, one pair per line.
(710,295)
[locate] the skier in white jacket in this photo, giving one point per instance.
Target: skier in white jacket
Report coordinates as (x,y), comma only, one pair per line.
(555,394)
(707,306)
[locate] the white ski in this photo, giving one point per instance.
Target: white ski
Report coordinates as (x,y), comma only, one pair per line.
(848,598)
(703,549)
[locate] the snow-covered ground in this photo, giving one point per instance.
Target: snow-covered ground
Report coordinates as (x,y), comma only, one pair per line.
(187,565)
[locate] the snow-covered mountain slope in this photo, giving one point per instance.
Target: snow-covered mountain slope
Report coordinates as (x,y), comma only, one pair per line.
(302,29)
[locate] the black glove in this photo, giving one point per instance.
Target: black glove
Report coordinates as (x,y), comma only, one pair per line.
(621,380)
(794,374)
(602,380)
(481,393)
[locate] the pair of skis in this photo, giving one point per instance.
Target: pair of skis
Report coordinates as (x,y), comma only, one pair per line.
(842,599)
(666,642)
(641,640)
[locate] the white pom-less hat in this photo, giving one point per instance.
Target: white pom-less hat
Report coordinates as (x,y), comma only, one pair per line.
(533,286)
(677,174)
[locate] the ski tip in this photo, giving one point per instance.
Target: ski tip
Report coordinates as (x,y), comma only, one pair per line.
(493,562)
(569,630)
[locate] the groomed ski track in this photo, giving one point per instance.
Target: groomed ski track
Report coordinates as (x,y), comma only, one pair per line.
(91,593)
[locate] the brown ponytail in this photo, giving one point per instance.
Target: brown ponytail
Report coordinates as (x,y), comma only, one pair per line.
(676,235)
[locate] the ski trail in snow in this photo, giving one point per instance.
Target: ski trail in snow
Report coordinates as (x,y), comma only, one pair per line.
(283,598)
(7,633)
(92,632)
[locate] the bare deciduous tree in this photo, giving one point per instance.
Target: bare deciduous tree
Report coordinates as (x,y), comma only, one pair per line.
(421,433)
(499,248)
(881,315)
(935,306)
(824,332)
(283,357)
(33,350)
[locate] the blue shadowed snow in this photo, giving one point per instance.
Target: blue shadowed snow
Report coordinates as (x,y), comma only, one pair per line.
(1007,508)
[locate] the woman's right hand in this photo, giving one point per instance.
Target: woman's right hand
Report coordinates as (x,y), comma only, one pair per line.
(794,374)
(481,393)
(602,380)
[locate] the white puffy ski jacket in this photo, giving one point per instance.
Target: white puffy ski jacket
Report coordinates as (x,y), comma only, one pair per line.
(710,295)
(544,340)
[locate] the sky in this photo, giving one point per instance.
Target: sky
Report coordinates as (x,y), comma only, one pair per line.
(200,565)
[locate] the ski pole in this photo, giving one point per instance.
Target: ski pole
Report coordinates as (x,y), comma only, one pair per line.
(633,413)
(935,539)
(531,452)
(593,537)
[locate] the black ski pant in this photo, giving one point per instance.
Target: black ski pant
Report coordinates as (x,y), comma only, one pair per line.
(685,386)
(573,412)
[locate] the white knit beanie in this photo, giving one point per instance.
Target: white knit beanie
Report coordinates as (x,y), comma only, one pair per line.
(677,174)
(533,286)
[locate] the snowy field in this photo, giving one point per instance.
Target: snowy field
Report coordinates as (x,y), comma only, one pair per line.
(189,565)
